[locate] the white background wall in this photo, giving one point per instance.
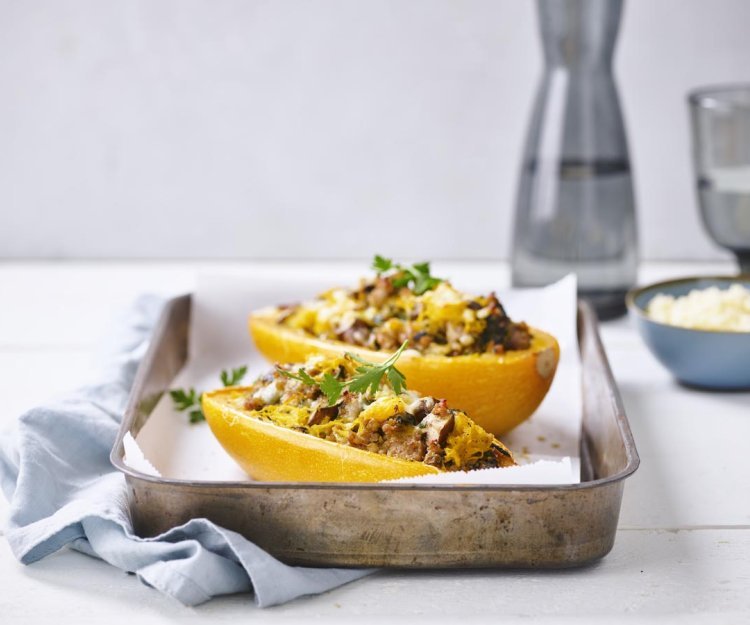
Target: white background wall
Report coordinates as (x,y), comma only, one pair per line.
(325,128)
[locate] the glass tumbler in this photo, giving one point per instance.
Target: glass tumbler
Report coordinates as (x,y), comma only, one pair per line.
(720,119)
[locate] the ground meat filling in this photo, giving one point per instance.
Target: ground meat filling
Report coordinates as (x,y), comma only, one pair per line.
(419,432)
(379,316)
(403,441)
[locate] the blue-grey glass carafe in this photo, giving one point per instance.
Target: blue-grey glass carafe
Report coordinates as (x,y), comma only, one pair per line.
(575,208)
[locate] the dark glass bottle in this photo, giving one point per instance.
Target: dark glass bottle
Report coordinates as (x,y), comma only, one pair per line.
(575,208)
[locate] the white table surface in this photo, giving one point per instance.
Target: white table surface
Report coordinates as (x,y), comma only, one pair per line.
(682,552)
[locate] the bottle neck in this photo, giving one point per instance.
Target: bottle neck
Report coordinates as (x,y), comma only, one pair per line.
(579,34)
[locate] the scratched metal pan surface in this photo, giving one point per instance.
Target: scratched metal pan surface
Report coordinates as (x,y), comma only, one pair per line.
(411,526)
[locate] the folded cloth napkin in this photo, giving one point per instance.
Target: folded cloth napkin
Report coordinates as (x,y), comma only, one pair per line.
(62,489)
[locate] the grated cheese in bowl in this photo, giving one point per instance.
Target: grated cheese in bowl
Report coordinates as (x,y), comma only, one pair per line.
(705,309)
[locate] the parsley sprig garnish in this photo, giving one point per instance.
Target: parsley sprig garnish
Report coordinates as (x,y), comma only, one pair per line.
(416,276)
(368,377)
(234,376)
(189,400)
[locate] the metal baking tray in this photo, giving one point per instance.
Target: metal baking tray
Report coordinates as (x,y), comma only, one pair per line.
(412,526)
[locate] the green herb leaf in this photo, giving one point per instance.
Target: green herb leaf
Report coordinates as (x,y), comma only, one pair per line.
(381,264)
(367,379)
(234,376)
(301,376)
(423,283)
(189,400)
(332,388)
(402,280)
(196,416)
(417,276)
(184,399)
(397,380)
(370,374)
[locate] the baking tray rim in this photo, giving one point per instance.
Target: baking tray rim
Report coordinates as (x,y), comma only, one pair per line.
(117,453)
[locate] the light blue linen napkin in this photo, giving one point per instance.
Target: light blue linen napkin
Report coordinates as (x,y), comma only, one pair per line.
(55,472)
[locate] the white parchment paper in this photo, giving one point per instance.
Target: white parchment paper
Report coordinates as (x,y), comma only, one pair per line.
(219,339)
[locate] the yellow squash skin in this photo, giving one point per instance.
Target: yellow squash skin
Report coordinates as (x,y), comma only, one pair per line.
(269,452)
(498,391)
